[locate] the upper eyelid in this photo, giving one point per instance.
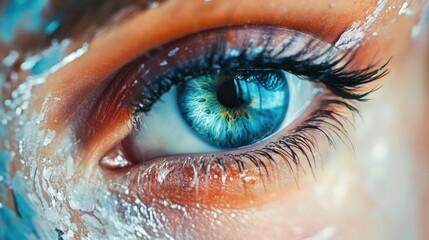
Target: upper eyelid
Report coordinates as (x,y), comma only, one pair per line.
(97,64)
(125,79)
(327,65)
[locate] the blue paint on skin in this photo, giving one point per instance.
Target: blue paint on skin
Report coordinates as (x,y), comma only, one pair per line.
(24,206)
(24,221)
(21,14)
(50,57)
(4,174)
(3,127)
(53,25)
(21,223)
(12,225)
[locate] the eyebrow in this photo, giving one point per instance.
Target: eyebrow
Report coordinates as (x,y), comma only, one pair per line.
(59,19)
(88,16)
(77,15)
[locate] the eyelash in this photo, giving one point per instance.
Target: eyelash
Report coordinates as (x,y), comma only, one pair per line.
(343,83)
(327,67)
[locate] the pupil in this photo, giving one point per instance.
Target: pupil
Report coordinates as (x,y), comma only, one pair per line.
(229,94)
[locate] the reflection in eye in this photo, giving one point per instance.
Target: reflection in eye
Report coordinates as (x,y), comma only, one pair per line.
(267,96)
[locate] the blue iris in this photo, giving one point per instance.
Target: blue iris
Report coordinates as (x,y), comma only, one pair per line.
(235,109)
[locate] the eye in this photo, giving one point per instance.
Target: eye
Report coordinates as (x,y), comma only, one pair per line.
(222,116)
(220,112)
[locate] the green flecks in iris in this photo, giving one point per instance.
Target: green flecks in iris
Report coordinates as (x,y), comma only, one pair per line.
(232,115)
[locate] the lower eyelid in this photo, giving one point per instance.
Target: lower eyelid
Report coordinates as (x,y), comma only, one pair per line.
(217,180)
(215,186)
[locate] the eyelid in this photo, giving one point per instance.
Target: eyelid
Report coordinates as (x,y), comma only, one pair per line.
(155,29)
(107,130)
(151,61)
(215,180)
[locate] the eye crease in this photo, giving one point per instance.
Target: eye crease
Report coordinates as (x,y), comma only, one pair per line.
(286,93)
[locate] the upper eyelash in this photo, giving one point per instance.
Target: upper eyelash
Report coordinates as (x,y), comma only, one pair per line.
(333,72)
(334,75)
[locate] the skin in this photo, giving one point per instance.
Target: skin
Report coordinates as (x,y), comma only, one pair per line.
(378,191)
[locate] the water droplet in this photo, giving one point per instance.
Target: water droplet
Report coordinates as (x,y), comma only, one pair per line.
(153,4)
(173,52)
(10,59)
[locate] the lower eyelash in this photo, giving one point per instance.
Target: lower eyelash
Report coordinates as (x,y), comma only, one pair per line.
(294,149)
(327,120)
(198,179)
